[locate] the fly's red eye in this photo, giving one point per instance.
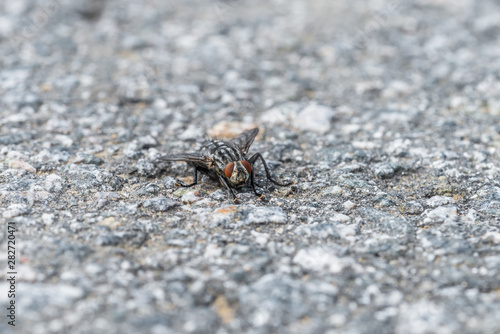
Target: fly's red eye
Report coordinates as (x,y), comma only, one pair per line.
(247,166)
(228,170)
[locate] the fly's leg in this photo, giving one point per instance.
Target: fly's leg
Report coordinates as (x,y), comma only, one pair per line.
(252,182)
(195,180)
(253,159)
(235,199)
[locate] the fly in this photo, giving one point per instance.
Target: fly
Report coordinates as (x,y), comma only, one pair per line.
(225,162)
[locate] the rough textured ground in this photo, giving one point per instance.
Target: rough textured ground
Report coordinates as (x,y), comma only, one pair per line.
(386,113)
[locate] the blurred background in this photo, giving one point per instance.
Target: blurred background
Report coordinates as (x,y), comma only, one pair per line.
(230,60)
(386,112)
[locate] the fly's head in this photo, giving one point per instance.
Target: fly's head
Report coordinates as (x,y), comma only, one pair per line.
(238,173)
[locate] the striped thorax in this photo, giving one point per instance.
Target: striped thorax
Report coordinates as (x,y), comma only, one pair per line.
(228,161)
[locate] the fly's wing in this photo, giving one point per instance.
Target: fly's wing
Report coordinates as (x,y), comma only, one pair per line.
(196,158)
(243,141)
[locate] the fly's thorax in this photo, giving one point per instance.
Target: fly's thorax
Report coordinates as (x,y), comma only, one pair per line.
(221,154)
(221,148)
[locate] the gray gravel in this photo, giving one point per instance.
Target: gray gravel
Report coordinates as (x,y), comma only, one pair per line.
(385,113)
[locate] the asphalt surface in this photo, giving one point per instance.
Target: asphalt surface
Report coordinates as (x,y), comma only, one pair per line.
(386,114)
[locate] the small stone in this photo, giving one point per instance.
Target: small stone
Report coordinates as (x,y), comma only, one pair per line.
(347,231)
(15,138)
(134,91)
(38,193)
(48,218)
(190,196)
(192,132)
(224,310)
(413,208)
(281,114)
(353,168)
(90,9)
(111,195)
(101,203)
(93,269)
(262,215)
(53,183)
(124,135)
(314,118)
(245,215)
(147,189)
(425,316)
(179,242)
(160,204)
(132,151)
(341,218)
(442,214)
(436,201)
(385,170)
(59,154)
(108,239)
(494,107)
(65,141)
(218,195)
(260,238)
(383,222)
(110,222)
(348,205)
(213,251)
(383,202)
(15,210)
(471,216)
(321,259)
(488,192)
(85,177)
(145,142)
(56,295)
(145,168)
(364,144)
(18,164)
(223,216)
(443,187)
(88,159)
(319,230)
(334,190)
(493,236)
